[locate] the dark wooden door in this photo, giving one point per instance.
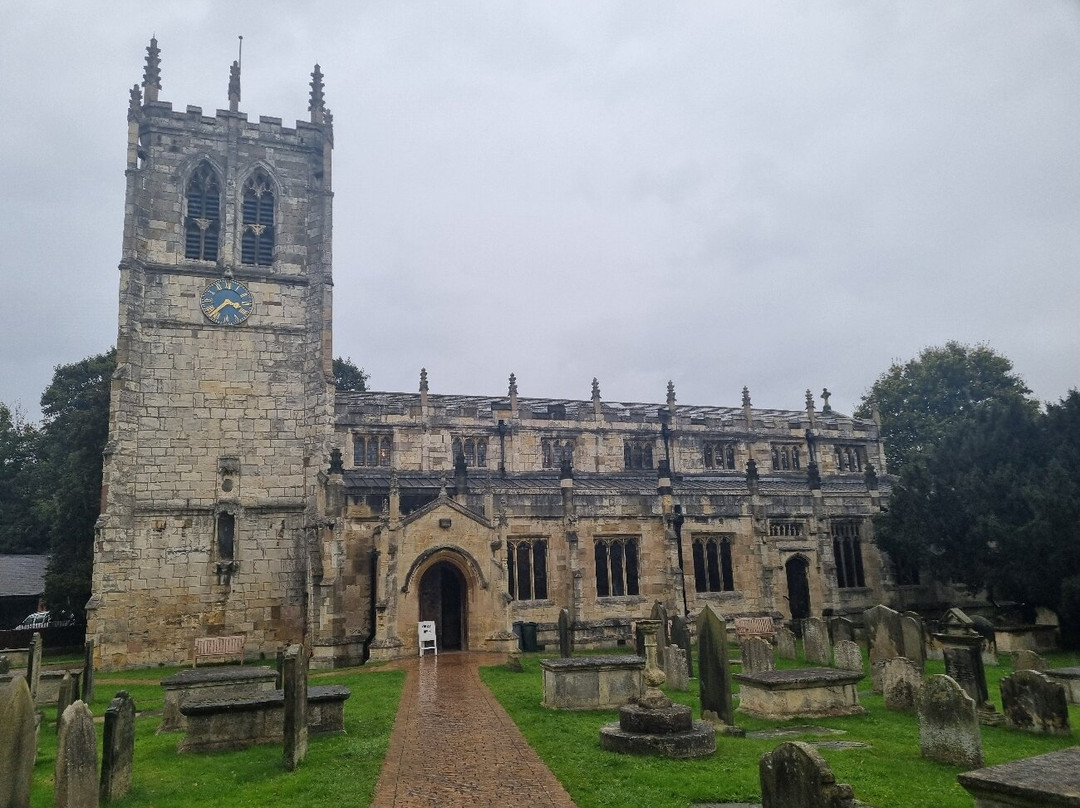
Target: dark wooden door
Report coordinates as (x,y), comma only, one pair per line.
(798,587)
(443,600)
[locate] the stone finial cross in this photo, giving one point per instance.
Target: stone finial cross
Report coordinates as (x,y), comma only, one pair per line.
(825,407)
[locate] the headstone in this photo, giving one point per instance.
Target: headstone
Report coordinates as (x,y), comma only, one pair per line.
(847,656)
(884,638)
(639,641)
(279,684)
(294,679)
(88,673)
(64,698)
(18,743)
(680,636)
(1033,703)
(76,759)
(757,655)
(33,665)
(1029,661)
(5,664)
(659,612)
(795,774)
(513,661)
(566,637)
(840,628)
(678,678)
(118,750)
(948,724)
(911,628)
(815,642)
(785,643)
(901,680)
(714,677)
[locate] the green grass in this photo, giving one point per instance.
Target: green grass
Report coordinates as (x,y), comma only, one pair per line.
(891,773)
(340,770)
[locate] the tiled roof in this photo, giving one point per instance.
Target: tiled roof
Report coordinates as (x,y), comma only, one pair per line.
(22,575)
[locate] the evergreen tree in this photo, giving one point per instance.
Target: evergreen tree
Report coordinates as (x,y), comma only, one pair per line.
(348,377)
(20,531)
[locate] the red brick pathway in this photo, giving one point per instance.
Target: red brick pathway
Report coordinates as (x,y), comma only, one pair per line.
(454,745)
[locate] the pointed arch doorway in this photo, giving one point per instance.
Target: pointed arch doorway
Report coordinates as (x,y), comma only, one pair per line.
(444,599)
(798,587)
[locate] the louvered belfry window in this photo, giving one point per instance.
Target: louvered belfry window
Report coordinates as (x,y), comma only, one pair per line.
(257,241)
(203,226)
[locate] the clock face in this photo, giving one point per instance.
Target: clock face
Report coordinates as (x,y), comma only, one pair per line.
(226,302)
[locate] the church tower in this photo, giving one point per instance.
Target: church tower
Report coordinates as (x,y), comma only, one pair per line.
(222,406)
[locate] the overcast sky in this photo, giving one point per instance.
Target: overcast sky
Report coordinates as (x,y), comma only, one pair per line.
(778,195)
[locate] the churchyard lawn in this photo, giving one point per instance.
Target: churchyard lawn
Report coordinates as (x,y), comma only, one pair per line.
(340,770)
(890,773)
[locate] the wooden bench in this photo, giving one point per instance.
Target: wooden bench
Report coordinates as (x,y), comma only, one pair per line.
(219,648)
(755,627)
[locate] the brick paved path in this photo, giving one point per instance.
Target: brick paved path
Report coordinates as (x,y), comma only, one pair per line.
(454,745)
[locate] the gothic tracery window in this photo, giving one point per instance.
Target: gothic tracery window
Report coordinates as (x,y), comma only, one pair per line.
(526,566)
(257,239)
(202,227)
(616,562)
(554,450)
(847,551)
(371,450)
(849,458)
(473,450)
(712,564)
(786,457)
(718,454)
(638,453)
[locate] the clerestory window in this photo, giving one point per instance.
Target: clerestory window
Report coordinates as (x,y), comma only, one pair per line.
(718,454)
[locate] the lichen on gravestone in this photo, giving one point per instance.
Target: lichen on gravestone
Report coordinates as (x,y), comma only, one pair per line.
(18,743)
(76,759)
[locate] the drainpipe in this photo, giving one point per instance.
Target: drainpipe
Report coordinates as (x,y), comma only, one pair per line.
(373,573)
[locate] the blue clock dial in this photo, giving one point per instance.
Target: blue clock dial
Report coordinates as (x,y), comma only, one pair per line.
(226,302)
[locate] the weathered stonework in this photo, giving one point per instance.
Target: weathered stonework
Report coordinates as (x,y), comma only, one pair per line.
(356,515)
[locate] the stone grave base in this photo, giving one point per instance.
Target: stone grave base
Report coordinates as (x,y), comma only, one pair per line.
(668,731)
(592,683)
(211,684)
(1069,678)
(258,719)
(801,693)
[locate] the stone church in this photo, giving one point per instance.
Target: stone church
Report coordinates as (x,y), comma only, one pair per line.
(244,495)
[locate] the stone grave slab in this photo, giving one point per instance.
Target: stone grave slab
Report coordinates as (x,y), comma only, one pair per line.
(1025,660)
(566,637)
(1034,703)
(592,683)
(900,681)
(757,655)
(211,684)
(948,723)
(1069,678)
(785,643)
(118,749)
(816,642)
(76,776)
(802,693)
(847,656)
(795,774)
(18,742)
(1044,781)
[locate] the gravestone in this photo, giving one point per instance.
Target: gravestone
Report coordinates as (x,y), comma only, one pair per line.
(33,665)
(680,636)
(1052,779)
(815,642)
(714,677)
(840,628)
(118,750)
(1033,703)
(847,656)
(884,639)
(900,681)
(566,637)
(294,679)
(76,759)
(757,655)
(962,649)
(948,724)
(659,612)
(911,628)
(513,661)
(5,664)
(1029,661)
(65,697)
(18,743)
(795,774)
(785,643)
(88,673)
(678,678)
(280,659)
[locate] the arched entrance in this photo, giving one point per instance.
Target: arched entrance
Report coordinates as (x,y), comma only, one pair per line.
(798,587)
(444,599)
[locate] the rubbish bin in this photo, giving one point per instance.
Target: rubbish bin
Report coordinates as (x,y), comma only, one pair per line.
(517,633)
(528,637)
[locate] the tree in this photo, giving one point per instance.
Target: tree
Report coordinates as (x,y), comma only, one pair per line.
(921,398)
(75,407)
(20,531)
(348,377)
